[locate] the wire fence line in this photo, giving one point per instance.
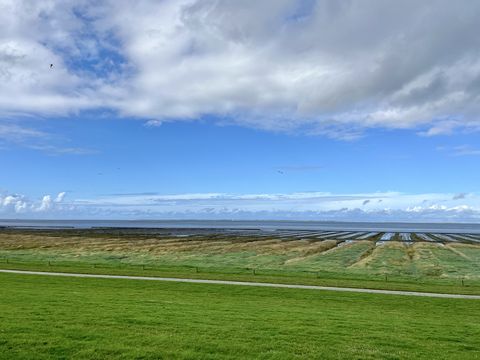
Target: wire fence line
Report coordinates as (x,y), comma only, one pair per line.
(252,271)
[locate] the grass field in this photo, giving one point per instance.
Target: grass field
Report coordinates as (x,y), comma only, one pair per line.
(421,266)
(60,318)
(44,318)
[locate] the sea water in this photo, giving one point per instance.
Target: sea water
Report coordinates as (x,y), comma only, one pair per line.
(265,225)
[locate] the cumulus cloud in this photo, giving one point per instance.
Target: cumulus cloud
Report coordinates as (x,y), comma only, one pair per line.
(45,204)
(15,204)
(34,35)
(60,197)
(334,67)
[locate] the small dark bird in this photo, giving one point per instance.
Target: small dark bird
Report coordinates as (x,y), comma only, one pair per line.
(51,66)
(280,171)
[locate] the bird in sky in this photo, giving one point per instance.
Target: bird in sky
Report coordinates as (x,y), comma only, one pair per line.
(280,171)
(51,66)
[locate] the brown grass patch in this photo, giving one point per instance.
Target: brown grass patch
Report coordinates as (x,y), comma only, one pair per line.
(364,255)
(320,248)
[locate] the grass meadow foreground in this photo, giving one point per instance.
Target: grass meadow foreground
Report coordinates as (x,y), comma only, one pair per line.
(72,318)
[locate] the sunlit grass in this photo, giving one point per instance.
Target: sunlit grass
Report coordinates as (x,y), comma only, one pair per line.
(45,318)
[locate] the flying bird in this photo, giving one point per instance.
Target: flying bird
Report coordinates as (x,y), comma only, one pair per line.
(51,66)
(280,172)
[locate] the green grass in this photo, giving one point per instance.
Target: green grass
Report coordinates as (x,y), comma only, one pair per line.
(358,258)
(44,318)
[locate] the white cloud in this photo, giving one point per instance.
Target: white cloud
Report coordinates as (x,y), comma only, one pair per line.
(153,123)
(9,200)
(466,150)
(15,204)
(20,206)
(14,132)
(60,197)
(460,150)
(333,68)
(30,138)
(45,204)
(36,34)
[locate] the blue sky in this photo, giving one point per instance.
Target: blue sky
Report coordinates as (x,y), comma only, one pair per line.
(125,156)
(219,110)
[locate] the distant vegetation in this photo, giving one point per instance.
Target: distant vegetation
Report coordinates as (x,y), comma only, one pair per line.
(356,257)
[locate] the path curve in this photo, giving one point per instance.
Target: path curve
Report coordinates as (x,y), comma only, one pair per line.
(245,283)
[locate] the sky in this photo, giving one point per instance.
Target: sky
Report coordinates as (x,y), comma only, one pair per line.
(342,110)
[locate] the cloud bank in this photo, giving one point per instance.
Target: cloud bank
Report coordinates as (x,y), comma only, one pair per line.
(334,67)
(387,206)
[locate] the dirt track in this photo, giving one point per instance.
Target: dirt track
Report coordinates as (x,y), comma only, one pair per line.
(243,283)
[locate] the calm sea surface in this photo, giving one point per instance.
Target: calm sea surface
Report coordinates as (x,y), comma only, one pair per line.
(261,225)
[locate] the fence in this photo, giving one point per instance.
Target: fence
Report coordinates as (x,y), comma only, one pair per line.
(247,271)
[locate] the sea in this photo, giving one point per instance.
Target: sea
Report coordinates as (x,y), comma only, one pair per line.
(263,225)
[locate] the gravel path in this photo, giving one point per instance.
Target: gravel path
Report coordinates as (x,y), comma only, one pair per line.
(244,283)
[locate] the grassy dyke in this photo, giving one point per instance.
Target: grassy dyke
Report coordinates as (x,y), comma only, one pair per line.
(58,318)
